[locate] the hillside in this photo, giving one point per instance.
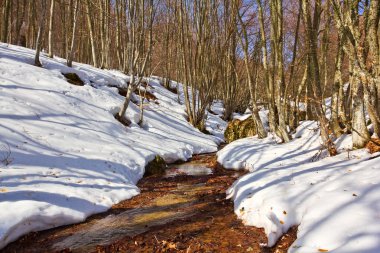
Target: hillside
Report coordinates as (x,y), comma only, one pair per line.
(64,156)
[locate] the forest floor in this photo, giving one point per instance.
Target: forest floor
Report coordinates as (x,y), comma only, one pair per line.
(176,212)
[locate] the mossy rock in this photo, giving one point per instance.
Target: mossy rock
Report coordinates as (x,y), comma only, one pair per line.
(237,129)
(155,167)
(73,78)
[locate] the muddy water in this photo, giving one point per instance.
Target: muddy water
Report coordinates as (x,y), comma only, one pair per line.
(184,210)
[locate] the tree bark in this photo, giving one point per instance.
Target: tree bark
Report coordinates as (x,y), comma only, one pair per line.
(91,31)
(50,42)
(5,21)
(311,41)
(71,51)
(41,29)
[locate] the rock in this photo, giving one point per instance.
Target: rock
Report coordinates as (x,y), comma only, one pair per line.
(156,166)
(73,78)
(172,89)
(237,129)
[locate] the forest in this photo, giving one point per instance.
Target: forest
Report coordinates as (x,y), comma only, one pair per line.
(306,73)
(248,53)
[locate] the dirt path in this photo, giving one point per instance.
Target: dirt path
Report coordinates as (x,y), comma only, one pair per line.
(173,213)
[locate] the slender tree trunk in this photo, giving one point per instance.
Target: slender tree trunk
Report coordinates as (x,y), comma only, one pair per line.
(311,38)
(268,78)
(41,29)
(50,43)
(5,21)
(91,31)
(71,51)
(337,108)
(255,111)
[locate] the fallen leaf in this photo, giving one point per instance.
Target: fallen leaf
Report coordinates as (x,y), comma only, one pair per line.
(282,222)
(3,190)
(323,250)
(171,245)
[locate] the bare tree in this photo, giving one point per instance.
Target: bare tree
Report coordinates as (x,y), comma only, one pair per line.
(139,28)
(362,36)
(245,45)
(91,31)
(51,19)
(312,25)
(71,51)
(41,29)
(5,20)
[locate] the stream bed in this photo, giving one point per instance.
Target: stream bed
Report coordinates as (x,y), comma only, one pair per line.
(184,210)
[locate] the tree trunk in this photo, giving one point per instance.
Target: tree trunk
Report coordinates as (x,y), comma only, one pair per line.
(337,108)
(50,43)
(91,31)
(360,135)
(255,111)
(71,51)
(5,21)
(311,41)
(41,29)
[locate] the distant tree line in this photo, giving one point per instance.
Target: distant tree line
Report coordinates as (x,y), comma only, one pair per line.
(283,55)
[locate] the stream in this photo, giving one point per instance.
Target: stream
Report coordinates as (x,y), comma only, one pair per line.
(184,210)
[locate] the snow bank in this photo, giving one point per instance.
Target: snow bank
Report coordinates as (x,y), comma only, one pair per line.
(334,200)
(67,157)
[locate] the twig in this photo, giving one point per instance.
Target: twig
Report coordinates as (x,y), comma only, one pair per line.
(6,152)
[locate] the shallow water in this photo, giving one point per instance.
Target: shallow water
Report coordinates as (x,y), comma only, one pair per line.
(169,207)
(191,169)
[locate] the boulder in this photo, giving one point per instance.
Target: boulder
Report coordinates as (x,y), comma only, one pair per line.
(237,129)
(73,78)
(155,167)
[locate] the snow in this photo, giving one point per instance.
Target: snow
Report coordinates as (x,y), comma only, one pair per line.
(215,124)
(263,114)
(217,107)
(69,158)
(334,200)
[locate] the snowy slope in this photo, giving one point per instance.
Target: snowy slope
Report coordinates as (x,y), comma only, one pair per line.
(215,124)
(334,200)
(65,156)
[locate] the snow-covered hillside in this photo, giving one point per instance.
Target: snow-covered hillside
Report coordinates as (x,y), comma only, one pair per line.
(64,156)
(334,200)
